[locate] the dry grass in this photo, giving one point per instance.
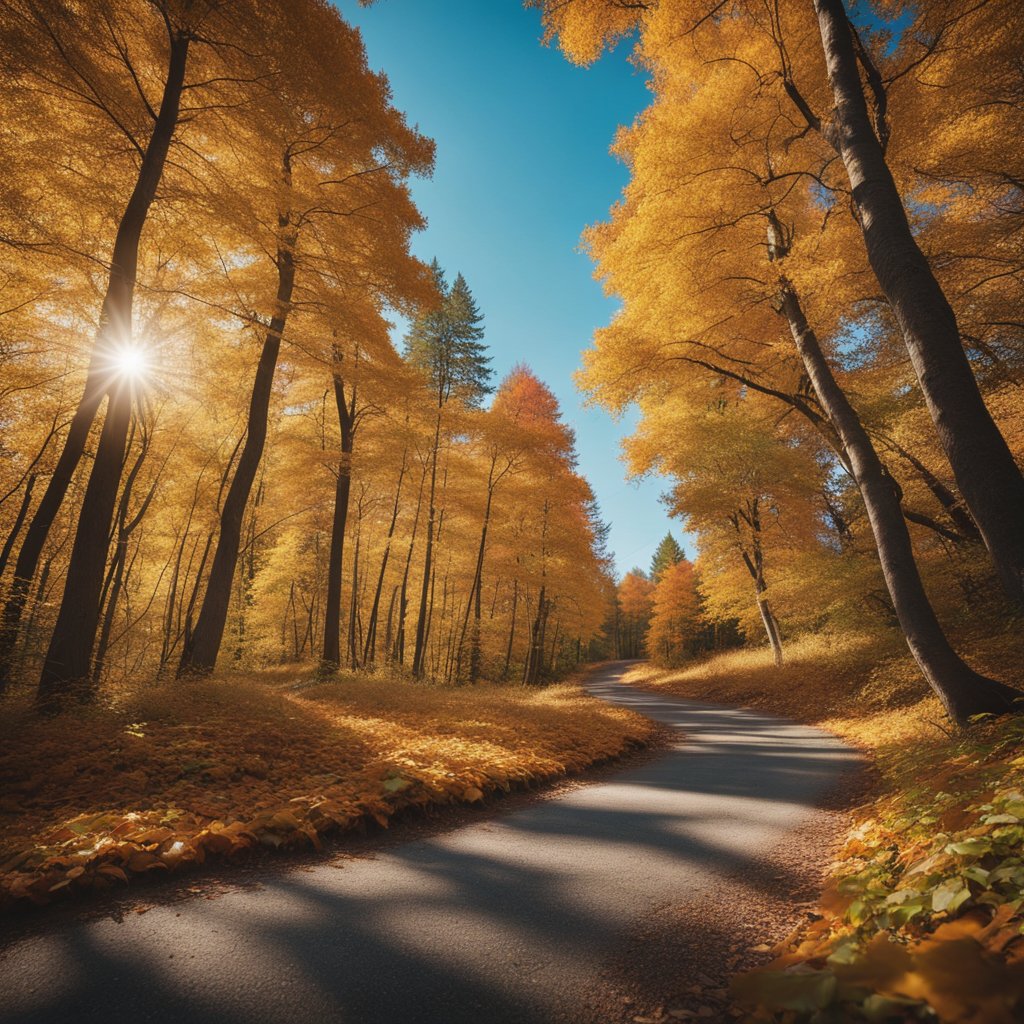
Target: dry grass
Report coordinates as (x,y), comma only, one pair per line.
(168,775)
(866,689)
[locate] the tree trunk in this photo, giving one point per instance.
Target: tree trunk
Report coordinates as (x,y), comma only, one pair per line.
(115,326)
(370,650)
(535,656)
(512,629)
(962,691)
(473,601)
(19,522)
(421,619)
(353,651)
(988,477)
(202,646)
(67,665)
(331,658)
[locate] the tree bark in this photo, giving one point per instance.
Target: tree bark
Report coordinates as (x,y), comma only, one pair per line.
(370,650)
(202,646)
(421,619)
(331,657)
(963,691)
(19,522)
(67,666)
(989,479)
(512,629)
(115,325)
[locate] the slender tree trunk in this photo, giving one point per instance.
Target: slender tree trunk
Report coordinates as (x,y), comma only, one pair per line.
(755,566)
(473,601)
(389,651)
(949,501)
(962,691)
(19,522)
(988,477)
(403,604)
(331,658)
(421,619)
(535,656)
(120,569)
(199,655)
(115,328)
(353,652)
(512,629)
(370,650)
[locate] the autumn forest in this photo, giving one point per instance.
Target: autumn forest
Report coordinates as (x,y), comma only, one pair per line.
(283,557)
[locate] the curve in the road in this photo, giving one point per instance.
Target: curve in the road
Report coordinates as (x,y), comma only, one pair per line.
(506,921)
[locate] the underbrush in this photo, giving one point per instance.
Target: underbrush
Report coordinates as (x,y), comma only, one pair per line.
(163,777)
(923,916)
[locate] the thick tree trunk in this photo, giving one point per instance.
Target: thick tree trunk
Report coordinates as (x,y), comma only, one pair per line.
(331,657)
(67,666)
(202,646)
(962,691)
(115,328)
(988,477)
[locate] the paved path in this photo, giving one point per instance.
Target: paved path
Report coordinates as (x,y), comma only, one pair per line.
(506,921)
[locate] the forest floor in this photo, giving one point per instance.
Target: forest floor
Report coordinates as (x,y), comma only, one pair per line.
(168,777)
(922,914)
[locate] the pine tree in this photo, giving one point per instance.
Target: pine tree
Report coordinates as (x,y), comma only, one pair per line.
(667,554)
(445,342)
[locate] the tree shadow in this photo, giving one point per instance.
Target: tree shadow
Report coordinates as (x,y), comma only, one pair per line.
(512,919)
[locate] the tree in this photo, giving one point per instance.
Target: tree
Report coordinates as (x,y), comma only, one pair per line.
(313,133)
(93,72)
(444,342)
(635,605)
(702,289)
(676,620)
(667,554)
(858,132)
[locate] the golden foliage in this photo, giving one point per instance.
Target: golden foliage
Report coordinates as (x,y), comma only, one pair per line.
(163,778)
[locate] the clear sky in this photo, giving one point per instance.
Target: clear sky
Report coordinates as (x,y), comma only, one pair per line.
(522,167)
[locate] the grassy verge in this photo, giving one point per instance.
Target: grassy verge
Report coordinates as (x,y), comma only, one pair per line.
(923,917)
(162,779)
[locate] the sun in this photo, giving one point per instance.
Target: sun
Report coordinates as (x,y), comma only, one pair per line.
(131,361)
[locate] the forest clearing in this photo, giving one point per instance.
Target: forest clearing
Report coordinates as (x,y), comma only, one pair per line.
(409,403)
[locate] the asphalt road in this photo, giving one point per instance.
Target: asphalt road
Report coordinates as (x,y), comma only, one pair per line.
(510,920)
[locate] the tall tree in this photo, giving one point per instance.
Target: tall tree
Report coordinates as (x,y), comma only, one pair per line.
(332,149)
(445,343)
(91,68)
(857,127)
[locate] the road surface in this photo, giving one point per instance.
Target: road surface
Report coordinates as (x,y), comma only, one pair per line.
(510,920)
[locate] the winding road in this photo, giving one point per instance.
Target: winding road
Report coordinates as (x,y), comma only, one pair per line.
(509,920)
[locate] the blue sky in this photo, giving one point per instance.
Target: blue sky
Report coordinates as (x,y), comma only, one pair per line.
(522,166)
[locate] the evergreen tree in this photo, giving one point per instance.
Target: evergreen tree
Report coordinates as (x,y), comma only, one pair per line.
(446,342)
(668,553)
